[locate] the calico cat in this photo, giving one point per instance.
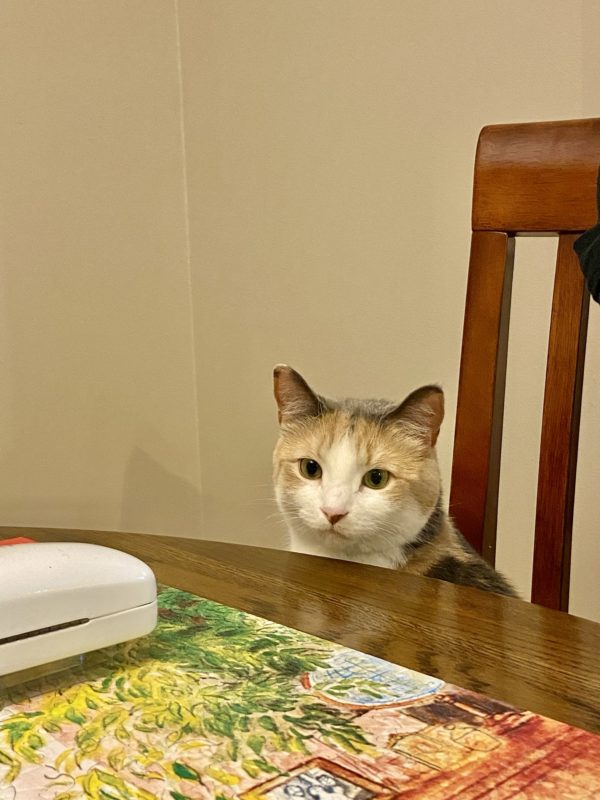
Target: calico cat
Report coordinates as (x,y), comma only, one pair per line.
(359,480)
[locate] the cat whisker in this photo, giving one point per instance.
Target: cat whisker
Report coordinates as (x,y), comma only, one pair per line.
(275,515)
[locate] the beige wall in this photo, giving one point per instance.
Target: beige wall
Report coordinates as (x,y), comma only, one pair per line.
(97,412)
(193,191)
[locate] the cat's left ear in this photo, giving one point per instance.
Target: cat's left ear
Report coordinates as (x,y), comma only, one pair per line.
(424,409)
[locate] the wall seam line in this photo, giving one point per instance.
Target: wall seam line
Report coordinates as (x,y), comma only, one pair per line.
(188,247)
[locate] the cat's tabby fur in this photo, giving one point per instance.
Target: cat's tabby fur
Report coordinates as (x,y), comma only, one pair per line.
(402,525)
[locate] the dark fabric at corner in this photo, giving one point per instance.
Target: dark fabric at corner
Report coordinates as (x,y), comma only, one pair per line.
(587,248)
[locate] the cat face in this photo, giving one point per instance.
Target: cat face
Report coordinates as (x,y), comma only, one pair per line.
(355,477)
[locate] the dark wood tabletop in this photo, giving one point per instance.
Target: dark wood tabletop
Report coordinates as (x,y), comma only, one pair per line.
(537,659)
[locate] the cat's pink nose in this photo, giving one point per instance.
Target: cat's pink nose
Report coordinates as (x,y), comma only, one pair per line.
(334,514)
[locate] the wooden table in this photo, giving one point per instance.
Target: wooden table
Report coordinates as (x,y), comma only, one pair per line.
(541,660)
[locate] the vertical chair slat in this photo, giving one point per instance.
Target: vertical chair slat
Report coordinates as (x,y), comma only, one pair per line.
(478,434)
(560,431)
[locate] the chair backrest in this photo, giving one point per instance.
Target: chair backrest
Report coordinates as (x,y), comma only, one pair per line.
(532,178)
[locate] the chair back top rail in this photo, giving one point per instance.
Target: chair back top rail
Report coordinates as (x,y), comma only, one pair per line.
(537,177)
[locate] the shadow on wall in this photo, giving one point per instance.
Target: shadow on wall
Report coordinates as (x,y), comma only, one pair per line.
(157,501)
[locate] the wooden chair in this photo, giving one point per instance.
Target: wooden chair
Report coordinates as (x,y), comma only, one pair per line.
(533,178)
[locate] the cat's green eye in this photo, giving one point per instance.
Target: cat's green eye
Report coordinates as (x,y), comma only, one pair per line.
(310,469)
(376,478)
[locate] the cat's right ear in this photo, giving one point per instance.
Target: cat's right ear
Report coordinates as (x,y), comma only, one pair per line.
(294,396)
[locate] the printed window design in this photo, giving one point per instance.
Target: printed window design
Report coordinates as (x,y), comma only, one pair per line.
(319,779)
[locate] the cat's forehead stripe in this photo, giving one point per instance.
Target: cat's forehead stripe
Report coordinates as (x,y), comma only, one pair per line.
(340,456)
(368,440)
(340,425)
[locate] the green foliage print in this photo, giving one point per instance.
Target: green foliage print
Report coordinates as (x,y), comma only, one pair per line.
(208,680)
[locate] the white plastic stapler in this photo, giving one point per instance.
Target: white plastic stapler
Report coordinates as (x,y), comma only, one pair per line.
(64,599)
